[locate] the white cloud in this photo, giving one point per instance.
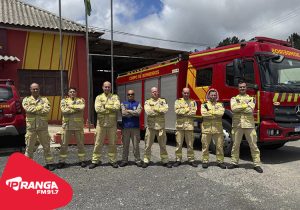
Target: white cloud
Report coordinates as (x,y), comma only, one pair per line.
(198,21)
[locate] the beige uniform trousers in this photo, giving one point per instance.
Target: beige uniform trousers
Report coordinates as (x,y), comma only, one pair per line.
(250,134)
(188,136)
(134,135)
(206,139)
(67,134)
(41,136)
(162,140)
(111,134)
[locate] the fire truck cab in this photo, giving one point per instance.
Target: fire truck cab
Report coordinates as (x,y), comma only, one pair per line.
(270,67)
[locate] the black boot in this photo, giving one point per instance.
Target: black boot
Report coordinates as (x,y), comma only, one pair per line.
(204,165)
(167,165)
(222,165)
(232,166)
(61,165)
(93,165)
(177,163)
(192,163)
(50,167)
(123,163)
(83,164)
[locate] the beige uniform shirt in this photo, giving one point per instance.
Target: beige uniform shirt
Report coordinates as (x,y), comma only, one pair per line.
(107,107)
(156,110)
(185,111)
(36,112)
(242,108)
(212,117)
(72,110)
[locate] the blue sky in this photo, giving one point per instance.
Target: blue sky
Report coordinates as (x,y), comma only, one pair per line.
(141,9)
(147,7)
(202,23)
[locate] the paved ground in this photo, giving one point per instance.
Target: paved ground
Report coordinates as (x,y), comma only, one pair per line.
(184,187)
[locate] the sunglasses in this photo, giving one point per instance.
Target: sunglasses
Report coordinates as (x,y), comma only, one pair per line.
(130,94)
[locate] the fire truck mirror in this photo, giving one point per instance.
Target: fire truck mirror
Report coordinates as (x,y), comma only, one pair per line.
(278,58)
(253,86)
(238,69)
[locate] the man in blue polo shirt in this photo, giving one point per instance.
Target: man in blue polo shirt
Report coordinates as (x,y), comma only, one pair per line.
(131,110)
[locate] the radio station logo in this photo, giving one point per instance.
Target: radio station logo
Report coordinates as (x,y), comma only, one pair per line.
(41,187)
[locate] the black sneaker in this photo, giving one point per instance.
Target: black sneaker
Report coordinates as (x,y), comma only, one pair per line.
(204,165)
(50,167)
(222,165)
(83,164)
(192,163)
(258,169)
(232,166)
(114,165)
(61,165)
(93,165)
(145,165)
(123,163)
(139,163)
(177,163)
(167,165)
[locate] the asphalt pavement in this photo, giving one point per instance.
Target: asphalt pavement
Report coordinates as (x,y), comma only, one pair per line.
(184,187)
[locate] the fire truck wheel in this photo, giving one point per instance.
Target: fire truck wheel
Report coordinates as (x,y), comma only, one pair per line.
(227,139)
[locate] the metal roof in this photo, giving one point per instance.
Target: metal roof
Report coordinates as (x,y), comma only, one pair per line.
(127,56)
(17,13)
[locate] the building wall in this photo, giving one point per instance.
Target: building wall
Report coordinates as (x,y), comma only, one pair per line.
(40,51)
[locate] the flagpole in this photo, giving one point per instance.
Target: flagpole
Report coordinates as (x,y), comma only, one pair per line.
(87,66)
(112,47)
(60,54)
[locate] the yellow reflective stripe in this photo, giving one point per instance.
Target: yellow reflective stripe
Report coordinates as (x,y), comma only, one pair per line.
(275,98)
(290,97)
(77,119)
(296,97)
(283,97)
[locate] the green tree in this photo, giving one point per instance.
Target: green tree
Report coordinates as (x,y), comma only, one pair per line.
(294,39)
(229,41)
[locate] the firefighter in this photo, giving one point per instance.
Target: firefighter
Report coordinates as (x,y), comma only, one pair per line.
(131,110)
(242,107)
(37,109)
(72,108)
(212,112)
(155,109)
(185,109)
(106,105)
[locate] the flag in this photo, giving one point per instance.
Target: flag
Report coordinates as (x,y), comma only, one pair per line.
(88,7)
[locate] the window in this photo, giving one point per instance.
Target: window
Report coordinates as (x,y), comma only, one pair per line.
(204,77)
(247,74)
(49,81)
(230,75)
(5,93)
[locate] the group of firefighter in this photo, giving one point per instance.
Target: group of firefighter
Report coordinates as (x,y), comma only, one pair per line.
(107,106)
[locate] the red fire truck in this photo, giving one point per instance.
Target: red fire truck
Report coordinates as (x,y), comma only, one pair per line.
(270,67)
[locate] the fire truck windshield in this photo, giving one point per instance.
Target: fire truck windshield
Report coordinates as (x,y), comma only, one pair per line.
(283,76)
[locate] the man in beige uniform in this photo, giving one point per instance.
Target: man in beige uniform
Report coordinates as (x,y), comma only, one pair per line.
(242,107)
(106,105)
(37,109)
(72,109)
(185,109)
(212,112)
(155,109)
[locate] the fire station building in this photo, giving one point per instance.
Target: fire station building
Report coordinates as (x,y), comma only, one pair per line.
(30,52)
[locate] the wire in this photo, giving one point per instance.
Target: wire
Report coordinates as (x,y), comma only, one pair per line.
(153,38)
